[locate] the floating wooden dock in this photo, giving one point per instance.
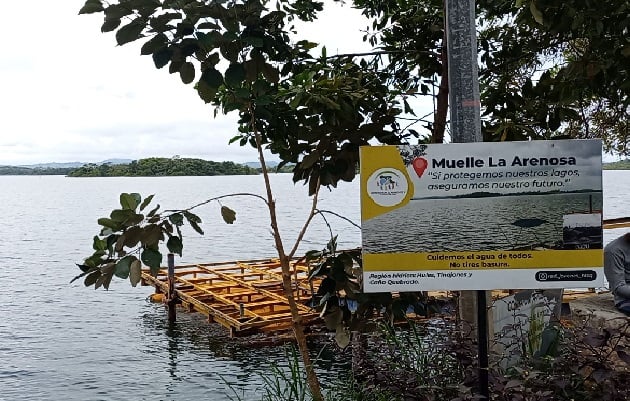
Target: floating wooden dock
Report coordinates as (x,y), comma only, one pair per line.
(245,297)
(621,222)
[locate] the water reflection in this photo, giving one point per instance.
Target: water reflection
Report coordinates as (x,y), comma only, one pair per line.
(200,352)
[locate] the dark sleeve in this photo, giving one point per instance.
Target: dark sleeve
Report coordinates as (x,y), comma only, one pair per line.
(615,273)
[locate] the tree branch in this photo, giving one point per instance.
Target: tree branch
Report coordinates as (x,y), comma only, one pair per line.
(311,214)
(217,198)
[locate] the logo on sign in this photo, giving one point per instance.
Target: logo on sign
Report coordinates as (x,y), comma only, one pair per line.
(387,187)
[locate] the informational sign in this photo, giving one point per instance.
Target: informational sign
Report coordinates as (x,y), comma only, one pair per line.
(481,216)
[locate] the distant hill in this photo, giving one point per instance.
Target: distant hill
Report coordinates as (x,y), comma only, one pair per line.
(257,164)
(17,170)
(73,164)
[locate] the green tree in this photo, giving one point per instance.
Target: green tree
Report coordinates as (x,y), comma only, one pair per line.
(311,112)
(547,69)
(161,166)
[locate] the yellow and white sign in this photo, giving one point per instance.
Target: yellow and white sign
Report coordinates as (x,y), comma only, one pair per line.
(482,216)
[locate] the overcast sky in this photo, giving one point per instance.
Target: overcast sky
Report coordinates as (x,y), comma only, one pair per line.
(68,93)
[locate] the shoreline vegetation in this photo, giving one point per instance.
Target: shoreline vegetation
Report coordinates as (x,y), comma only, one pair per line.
(162,167)
(149,167)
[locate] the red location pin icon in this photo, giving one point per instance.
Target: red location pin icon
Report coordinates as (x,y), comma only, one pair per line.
(419,164)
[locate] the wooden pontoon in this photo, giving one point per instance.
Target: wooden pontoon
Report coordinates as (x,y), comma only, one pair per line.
(244,296)
(622,222)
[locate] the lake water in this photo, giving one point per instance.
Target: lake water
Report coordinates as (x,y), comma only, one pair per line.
(61,341)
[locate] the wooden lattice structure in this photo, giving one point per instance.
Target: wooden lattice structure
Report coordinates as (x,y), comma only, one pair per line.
(245,297)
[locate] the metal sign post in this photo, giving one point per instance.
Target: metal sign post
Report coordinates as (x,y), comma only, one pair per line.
(466,124)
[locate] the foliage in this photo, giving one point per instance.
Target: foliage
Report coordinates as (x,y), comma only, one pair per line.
(160,166)
(549,69)
(344,306)
(417,361)
(289,384)
(129,238)
(436,361)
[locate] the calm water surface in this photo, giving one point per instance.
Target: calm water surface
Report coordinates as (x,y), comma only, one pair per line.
(61,341)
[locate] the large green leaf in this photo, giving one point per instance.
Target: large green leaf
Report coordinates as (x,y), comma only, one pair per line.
(91,6)
(151,235)
(154,44)
(146,202)
(162,57)
(123,266)
(174,245)
(230,51)
(187,72)
(135,272)
(91,278)
(193,220)
(109,223)
(130,201)
(130,32)
(208,85)
(117,11)
(133,235)
(196,227)
(96,259)
(152,258)
(235,74)
(212,78)
(121,215)
(107,272)
(99,244)
(110,24)
(160,22)
(177,219)
(229,215)
(190,216)
(145,3)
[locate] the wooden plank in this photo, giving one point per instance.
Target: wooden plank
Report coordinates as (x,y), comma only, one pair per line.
(621,222)
(241,296)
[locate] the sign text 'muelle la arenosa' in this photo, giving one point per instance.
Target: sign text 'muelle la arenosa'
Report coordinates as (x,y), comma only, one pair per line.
(480,216)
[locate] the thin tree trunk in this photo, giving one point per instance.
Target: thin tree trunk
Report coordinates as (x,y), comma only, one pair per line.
(287,284)
(441,111)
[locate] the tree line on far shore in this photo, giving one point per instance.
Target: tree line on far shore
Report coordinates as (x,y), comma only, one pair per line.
(161,166)
(150,167)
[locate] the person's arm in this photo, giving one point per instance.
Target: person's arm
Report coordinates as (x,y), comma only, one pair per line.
(615,273)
